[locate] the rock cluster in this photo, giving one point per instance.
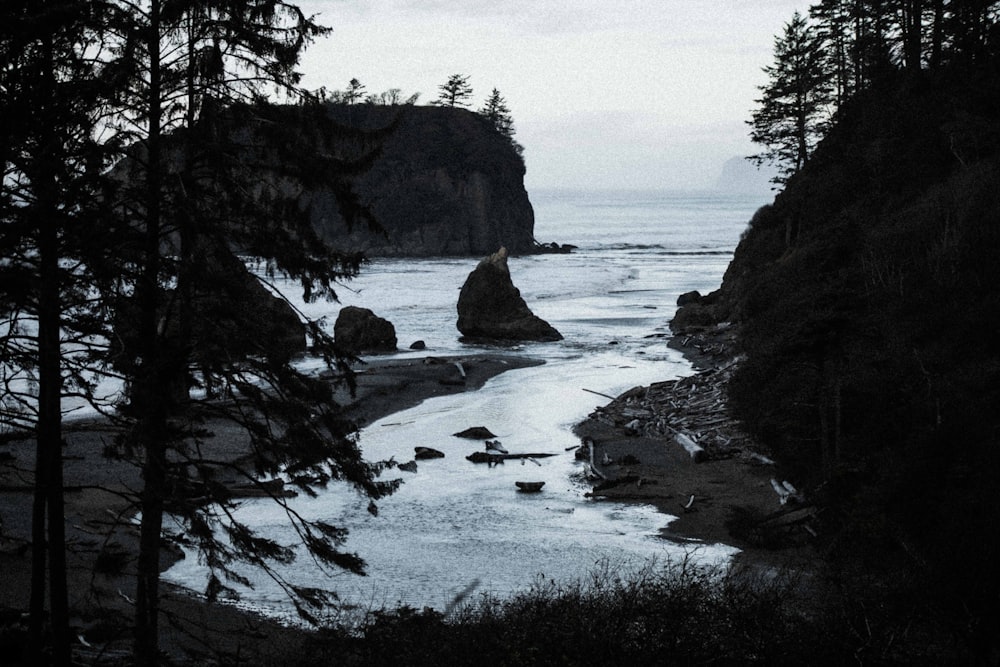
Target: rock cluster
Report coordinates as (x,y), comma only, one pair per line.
(491,308)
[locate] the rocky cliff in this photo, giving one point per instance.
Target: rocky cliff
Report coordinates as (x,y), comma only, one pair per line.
(444,183)
(867,315)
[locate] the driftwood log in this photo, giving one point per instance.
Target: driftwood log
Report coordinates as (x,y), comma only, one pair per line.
(696,451)
(497,457)
(786,492)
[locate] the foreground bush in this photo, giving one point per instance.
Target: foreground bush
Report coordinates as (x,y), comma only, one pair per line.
(674,614)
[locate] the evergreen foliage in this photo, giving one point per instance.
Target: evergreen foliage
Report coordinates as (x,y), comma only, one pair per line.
(455,92)
(795,105)
(848,47)
(354,93)
(132,272)
(495,110)
(867,308)
(52,252)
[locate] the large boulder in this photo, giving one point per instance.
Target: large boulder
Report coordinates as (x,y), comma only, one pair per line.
(361,330)
(695,312)
(233,316)
(490,307)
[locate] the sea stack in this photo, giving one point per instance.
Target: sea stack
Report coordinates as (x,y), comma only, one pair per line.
(491,308)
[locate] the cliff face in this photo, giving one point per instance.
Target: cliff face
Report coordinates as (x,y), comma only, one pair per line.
(444,183)
(868,314)
(867,292)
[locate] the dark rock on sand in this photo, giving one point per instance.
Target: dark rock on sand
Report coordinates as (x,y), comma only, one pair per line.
(695,312)
(223,326)
(361,330)
(490,307)
(418,345)
(693,296)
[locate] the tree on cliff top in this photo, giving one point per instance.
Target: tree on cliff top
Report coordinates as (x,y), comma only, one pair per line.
(455,92)
(354,92)
(498,113)
(794,111)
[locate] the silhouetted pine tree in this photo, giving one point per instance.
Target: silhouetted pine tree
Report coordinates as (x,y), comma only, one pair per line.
(52,253)
(795,107)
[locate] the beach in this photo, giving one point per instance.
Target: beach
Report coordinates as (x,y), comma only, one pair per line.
(99,521)
(654,469)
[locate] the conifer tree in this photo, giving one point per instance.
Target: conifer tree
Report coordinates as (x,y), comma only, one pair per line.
(835,25)
(495,110)
(794,110)
(354,93)
(52,252)
(456,92)
(206,175)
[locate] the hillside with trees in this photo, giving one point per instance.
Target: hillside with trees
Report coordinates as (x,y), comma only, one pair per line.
(866,298)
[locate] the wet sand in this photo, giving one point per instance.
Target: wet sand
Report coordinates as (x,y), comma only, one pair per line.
(99,521)
(650,469)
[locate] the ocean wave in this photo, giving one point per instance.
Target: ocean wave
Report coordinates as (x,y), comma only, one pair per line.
(664,250)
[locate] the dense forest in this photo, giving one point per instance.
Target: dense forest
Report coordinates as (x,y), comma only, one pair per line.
(866,296)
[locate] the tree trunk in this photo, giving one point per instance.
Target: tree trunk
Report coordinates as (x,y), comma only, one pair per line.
(50,439)
(937,33)
(149,401)
(47,507)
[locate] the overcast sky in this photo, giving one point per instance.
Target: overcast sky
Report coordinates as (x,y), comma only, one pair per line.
(604,93)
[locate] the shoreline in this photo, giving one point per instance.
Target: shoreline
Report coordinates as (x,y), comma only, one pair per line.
(721,492)
(644,467)
(102,540)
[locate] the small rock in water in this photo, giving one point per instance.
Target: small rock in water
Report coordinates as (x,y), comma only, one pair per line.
(418,345)
(427,453)
(495,446)
(475,433)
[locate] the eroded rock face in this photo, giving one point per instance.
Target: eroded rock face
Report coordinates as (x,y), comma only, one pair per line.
(360,330)
(490,307)
(444,183)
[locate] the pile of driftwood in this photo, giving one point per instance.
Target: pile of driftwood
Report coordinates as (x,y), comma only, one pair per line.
(691,411)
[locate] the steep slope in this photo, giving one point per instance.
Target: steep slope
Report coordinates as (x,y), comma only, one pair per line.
(867,301)
(445,183)
(867,293)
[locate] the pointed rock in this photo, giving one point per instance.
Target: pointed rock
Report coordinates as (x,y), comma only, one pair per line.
(491,308)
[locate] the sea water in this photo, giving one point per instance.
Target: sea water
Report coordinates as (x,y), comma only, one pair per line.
(454,526)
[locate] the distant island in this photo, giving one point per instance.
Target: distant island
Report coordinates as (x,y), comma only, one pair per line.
(740,176)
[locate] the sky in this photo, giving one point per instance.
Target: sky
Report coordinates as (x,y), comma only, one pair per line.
(605,94)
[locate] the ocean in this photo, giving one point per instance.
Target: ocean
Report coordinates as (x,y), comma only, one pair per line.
(455,527)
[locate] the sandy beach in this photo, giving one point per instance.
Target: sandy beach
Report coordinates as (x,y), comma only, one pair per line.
(100,527)
(646,469)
